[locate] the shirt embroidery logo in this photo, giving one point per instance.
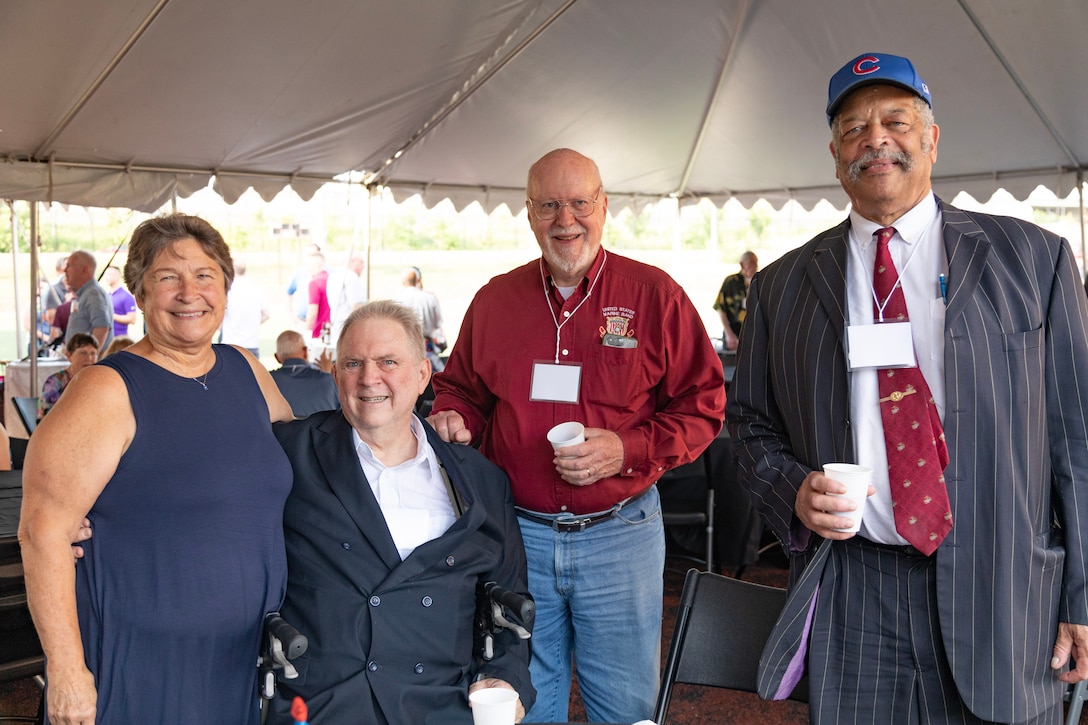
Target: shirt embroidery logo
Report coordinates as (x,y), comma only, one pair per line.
(617,321)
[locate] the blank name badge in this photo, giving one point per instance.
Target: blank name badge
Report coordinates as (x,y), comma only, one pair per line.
(880,345)
(555,383)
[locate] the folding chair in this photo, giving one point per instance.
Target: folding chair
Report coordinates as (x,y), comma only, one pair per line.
(697,472)
(722,625)
(20,652)
(1075,697)
(18,452)
(10,554)
(27,408)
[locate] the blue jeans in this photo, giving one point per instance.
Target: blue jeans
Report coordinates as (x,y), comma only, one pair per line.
(598,605)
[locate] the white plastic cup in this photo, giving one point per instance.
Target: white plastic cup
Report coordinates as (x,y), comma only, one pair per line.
(494,706)
(567,434)
(856,479)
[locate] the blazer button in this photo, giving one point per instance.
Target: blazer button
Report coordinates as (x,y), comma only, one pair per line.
(375,600)
(449,560)
(427,601)
(372,666)
(346,545)
(419,669)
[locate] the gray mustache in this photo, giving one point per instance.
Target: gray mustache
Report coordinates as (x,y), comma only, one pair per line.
(905,161)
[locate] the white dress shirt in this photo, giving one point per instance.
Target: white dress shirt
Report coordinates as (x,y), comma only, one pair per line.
(917,248)
(412,495)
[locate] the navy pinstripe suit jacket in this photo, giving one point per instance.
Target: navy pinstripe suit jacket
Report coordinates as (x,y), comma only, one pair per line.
(1016,422)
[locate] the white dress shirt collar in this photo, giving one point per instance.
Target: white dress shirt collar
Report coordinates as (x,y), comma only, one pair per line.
(910,227)
(412,495)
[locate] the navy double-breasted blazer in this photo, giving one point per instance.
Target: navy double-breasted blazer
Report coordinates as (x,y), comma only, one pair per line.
(391,640)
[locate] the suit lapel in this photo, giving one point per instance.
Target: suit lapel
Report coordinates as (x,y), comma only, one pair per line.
(448,544)
(827,273)
(449,455)
(339,464)
(967,248)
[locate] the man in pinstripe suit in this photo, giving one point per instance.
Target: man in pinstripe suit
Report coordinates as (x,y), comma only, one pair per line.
(992,624)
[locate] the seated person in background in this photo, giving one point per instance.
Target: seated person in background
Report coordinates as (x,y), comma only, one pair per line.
(307,388)
(42,331)
(118,344)
(81,351)
(389,531)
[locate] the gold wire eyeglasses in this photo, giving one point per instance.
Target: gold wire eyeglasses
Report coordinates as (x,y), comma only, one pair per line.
(547,210)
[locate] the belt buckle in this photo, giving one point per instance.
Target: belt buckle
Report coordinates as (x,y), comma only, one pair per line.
(568,525)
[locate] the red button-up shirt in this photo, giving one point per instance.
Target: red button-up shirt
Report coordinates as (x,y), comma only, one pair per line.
(665,398)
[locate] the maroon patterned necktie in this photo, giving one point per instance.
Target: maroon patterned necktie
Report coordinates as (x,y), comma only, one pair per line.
(913,435)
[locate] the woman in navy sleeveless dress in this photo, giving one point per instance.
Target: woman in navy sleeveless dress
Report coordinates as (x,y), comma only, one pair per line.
(168,449)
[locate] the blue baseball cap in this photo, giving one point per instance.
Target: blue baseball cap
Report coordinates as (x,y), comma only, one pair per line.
(869,69)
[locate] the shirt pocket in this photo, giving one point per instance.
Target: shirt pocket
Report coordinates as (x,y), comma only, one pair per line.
(613,377)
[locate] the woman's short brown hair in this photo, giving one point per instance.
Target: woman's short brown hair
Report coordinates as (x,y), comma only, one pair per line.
(160,233)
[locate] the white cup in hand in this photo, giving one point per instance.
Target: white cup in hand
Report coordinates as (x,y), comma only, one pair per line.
(494,706)
(567,434)
(856,479)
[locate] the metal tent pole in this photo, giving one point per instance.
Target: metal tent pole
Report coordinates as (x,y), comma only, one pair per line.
(33,245)
(1083,242)
(15,280)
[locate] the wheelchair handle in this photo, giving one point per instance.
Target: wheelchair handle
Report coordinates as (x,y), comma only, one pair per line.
(294,643)
(524,608)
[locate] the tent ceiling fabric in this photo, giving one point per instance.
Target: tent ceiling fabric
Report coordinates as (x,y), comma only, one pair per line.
(128,102)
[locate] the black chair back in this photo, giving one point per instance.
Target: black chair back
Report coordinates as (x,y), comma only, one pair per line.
(27,408)
(687,508)
(18,452)
(722,625)
(20,651)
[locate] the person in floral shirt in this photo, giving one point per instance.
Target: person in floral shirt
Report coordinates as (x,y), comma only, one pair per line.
(81,351)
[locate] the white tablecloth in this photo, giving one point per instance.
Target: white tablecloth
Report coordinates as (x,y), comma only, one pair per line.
(17,385)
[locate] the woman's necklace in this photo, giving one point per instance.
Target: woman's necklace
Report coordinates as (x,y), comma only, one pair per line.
(176,365)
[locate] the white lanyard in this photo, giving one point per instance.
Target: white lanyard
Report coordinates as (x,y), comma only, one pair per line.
(551,308)
(898,278)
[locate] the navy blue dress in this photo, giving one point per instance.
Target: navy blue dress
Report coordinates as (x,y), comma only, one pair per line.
(187,553)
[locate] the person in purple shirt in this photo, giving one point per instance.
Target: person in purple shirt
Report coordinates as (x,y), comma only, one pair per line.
(124,304)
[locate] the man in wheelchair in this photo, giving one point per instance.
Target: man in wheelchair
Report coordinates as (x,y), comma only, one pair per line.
(393,537)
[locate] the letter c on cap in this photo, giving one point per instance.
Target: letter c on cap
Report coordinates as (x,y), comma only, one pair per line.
(866,65)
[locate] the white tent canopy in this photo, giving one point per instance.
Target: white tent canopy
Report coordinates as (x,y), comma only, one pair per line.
(129,102)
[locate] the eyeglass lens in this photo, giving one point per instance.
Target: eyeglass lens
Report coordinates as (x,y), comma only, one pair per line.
(546,210)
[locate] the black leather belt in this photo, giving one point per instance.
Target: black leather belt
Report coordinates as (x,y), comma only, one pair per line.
(574,523)
(906,550)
